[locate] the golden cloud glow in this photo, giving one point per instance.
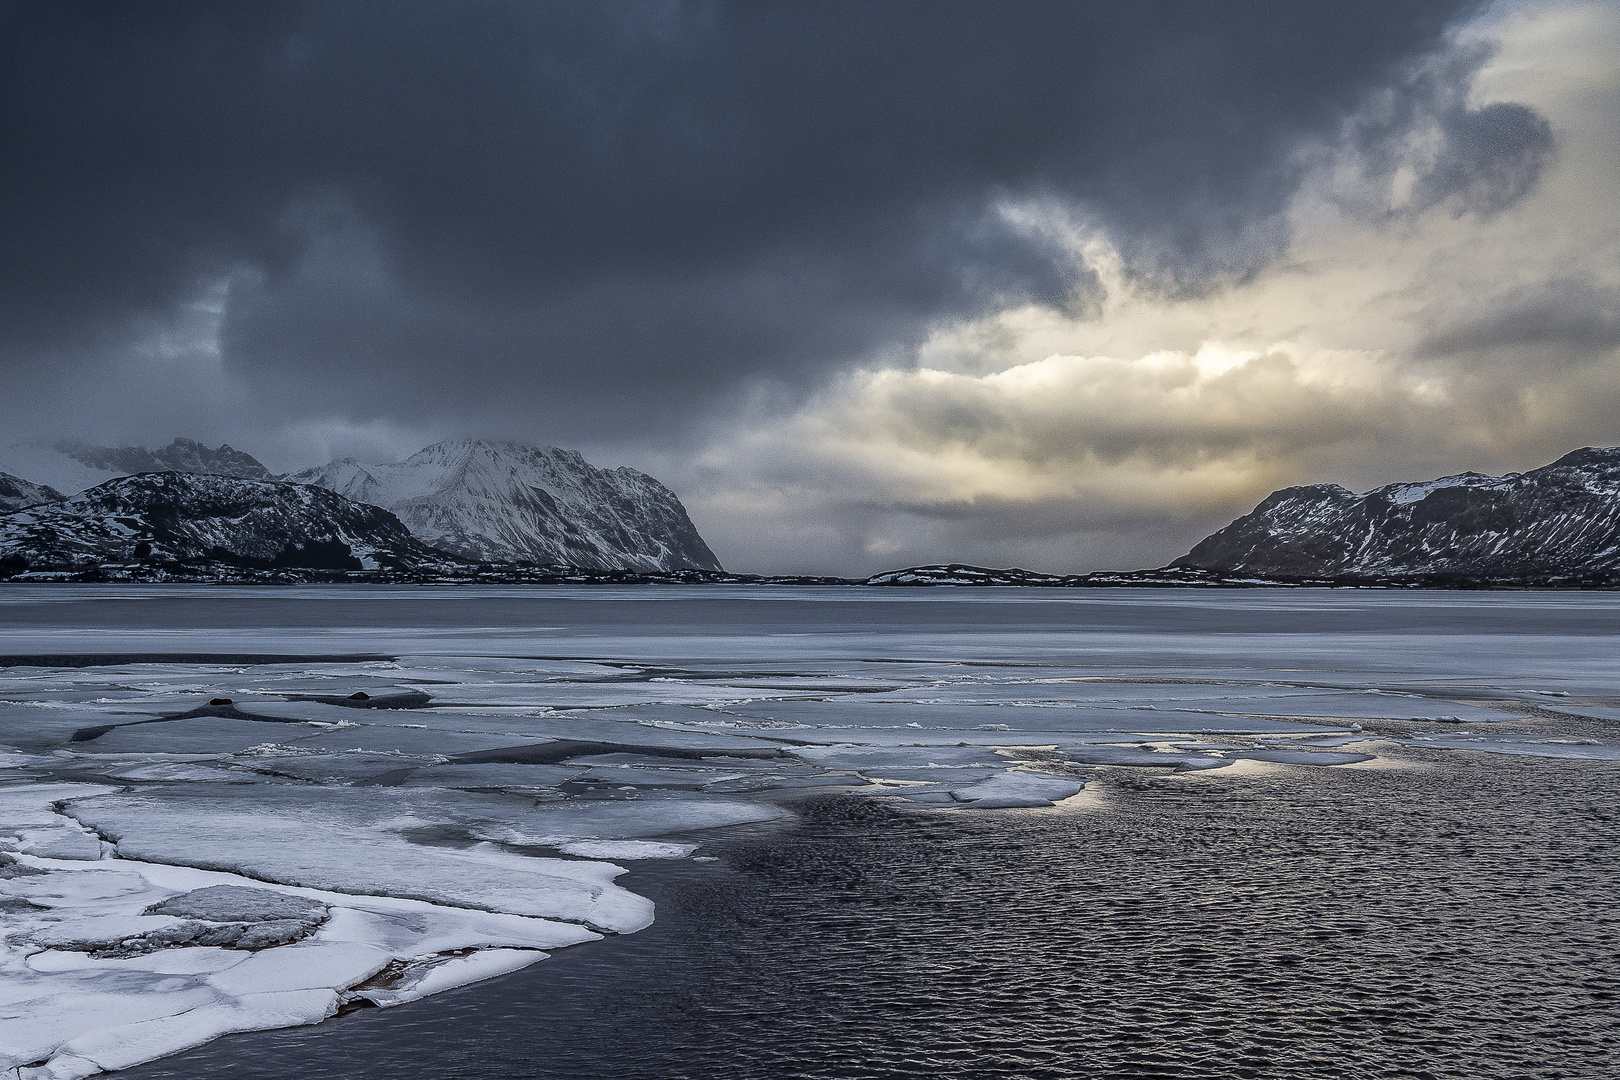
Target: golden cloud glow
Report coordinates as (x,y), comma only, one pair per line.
(1386,343)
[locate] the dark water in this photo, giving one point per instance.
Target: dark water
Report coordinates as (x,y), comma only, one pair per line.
(1459,921)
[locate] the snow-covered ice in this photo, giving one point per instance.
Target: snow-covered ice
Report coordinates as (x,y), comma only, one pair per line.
(1018,788)
(175,866)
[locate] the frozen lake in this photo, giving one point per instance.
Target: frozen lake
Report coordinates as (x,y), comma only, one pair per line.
(841,831)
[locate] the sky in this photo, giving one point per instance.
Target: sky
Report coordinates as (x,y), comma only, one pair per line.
(1059,285)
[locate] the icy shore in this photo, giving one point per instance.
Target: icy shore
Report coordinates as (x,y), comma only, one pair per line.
(203,844)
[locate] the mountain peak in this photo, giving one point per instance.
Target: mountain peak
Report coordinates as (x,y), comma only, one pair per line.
(502,501)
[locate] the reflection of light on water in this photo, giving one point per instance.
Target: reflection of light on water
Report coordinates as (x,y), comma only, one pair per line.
(1091,798)
(1380,748)
(1247,767)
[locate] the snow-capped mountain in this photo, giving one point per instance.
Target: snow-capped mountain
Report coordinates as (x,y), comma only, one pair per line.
(16,493)
(507,502)
(1561,521)
(190,523)
(72,467)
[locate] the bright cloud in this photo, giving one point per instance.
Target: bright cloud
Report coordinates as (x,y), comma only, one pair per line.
(1448,298)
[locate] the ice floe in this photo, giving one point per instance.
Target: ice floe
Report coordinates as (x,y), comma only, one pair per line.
(1018,788)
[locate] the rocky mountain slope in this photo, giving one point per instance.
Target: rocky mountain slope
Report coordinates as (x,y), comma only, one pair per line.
(73,467)
(210,527)
(1558,523)
(507,502)
(16,493)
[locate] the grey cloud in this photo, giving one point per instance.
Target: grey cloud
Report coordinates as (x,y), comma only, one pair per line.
(613,214)
(1474,161)
(1492,158)
(1565,319)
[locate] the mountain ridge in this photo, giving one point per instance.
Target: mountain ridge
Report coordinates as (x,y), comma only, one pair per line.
(182,455)
(18,494)
(71,467)
(1560,520)
(1555,526)
(187,525)
(487,502)
(179,527)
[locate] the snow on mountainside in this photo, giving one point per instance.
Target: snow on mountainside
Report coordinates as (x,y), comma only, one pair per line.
(1558,521)
(181,522)
(16,493)
(72,467)
(507,502)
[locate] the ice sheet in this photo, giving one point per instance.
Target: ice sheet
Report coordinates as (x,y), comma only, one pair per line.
(202,735)
(1304,757)
(1605,712)
(493,776)
(418,982)
(555,824)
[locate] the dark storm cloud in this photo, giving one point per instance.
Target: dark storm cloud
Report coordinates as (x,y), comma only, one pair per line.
(568,209)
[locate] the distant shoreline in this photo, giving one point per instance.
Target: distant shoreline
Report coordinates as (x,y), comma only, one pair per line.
(954,575)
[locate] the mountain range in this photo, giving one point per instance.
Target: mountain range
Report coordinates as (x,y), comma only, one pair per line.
(478,511)
(480,502)
(188,525)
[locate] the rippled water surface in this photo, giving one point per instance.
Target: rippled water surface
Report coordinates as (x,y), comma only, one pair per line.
(1452,919)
